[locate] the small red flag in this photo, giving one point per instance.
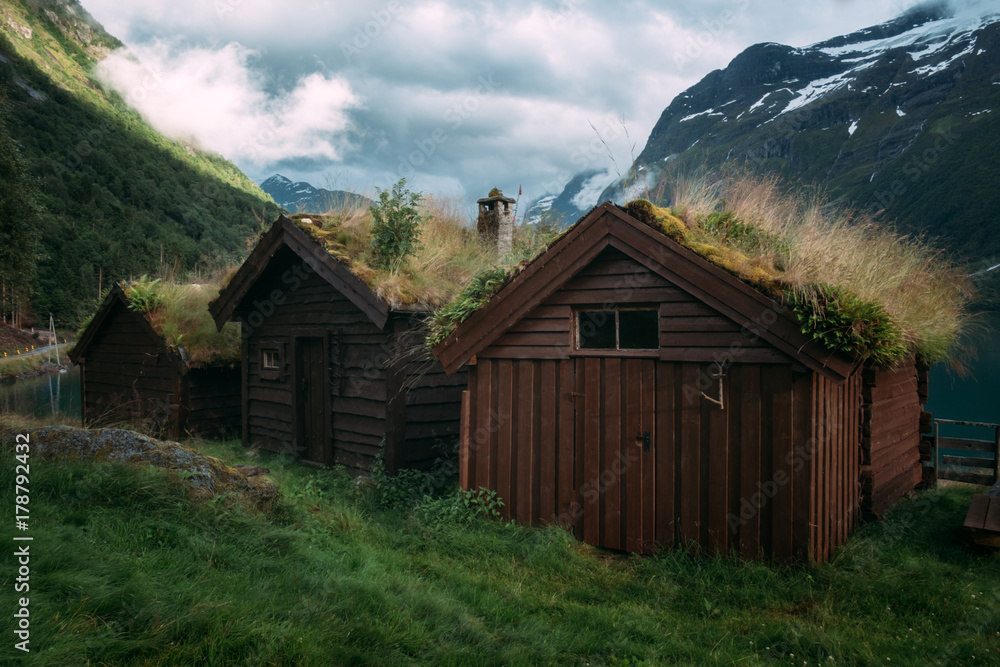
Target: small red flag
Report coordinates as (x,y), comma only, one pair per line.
(519,191)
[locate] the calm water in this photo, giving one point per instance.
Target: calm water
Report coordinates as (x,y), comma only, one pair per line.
(49,395)
(973,398)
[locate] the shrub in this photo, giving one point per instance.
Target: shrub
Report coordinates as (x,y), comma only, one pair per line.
(461,507)
(395,226)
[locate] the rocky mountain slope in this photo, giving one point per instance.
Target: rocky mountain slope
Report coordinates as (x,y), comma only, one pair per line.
(901,119)
(301,197)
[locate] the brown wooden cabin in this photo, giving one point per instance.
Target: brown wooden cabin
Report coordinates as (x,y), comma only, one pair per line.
(627,388)
(127,371)
(890,435)
(329,373)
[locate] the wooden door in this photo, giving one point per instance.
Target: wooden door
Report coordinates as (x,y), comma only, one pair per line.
(617,435)
(311,399)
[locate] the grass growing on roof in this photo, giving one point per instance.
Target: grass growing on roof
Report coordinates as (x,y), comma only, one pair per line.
(449,258)
(136,572)
(179,313)
(855,284)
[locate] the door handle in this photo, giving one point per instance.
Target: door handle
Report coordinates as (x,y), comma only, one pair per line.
(645,440)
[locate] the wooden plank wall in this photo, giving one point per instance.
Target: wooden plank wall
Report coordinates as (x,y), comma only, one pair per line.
(433,413)
(213,400)
(127,376)
(836,464)
(357,356)
(891,435)
(689,329)
(556,440)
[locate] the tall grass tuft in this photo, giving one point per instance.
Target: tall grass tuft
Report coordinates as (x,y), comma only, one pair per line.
(815,244)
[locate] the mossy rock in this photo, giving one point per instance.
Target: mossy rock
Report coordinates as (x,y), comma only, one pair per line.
(208,476)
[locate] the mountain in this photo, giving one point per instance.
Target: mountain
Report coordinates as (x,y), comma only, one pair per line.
(300,197)
(575,200)
(118,199)
(901,119)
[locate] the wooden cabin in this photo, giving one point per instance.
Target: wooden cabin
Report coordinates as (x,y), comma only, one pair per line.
(331,372)
(129,372)
(625,387)
(890,433)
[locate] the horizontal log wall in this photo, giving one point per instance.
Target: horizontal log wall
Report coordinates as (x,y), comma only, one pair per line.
(127,376)
(213,401)
(433,412)
(689,329)
(891,436)
(357,356)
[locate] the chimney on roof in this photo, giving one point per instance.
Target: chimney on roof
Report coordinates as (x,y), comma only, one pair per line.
(496,221)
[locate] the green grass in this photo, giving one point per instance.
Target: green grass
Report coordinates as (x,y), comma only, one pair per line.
(126,569)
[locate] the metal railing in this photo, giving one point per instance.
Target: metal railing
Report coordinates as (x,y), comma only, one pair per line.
(961,468)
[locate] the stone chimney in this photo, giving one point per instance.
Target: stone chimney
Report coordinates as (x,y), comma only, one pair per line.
(496,221)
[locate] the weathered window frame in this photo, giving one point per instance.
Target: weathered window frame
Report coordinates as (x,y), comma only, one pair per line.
(270,368)
(578,347)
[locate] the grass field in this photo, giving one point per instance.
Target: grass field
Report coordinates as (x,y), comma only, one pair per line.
(127,570)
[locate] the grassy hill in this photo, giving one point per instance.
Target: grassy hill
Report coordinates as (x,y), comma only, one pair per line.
(119,199)
(128,569)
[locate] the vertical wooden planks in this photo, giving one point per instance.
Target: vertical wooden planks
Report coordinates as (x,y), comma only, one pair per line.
(663,449)
(524,449)
(734,410)
(781,470)
(549,417)
(611,482)
(569,508)
(506,475)
(801,479)
(761,499)
(717,453)
(464,458)
(592,450)
(649,390)
(689,400)
(749,510)
(483,438)
(631,461)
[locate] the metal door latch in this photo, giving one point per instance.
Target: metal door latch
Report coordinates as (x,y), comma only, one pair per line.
(645,440)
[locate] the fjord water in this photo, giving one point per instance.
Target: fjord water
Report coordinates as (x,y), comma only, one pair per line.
(50,395)
(975,397)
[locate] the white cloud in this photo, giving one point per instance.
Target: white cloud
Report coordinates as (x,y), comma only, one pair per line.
(215,98)
(388,73)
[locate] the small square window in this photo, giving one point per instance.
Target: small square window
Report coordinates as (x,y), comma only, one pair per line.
(272,360)
(596,329)
(638,330)
(625,329)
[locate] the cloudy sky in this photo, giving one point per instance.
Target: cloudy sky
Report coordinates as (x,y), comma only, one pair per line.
(455,96)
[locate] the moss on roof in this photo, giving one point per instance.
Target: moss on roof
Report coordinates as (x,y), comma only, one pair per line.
(450,255)
(920,308)
(179,314)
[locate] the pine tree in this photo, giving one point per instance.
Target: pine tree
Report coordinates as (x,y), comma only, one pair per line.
(19,219)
